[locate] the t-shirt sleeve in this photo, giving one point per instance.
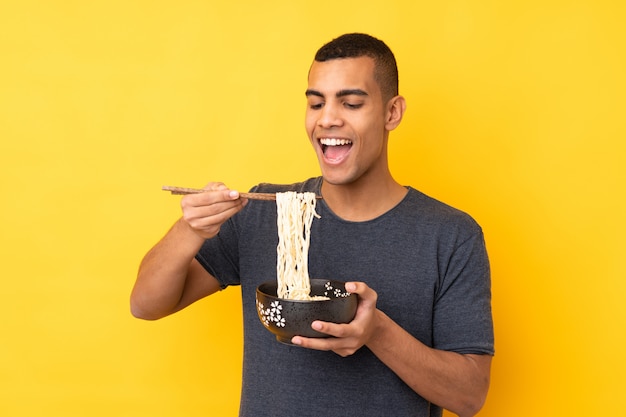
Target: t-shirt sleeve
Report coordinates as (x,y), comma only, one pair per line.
(220,255)
(462,318)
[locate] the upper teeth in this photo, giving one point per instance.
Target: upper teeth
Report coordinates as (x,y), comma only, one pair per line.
(334,142)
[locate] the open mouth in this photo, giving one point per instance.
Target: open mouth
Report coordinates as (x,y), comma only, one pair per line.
(335,149)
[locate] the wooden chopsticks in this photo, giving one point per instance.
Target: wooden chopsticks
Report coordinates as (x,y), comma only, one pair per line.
(252,196)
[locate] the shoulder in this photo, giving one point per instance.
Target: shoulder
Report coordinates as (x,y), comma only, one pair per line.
(431,211)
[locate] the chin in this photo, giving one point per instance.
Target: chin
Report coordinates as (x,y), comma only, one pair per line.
(334,174)
(334,178)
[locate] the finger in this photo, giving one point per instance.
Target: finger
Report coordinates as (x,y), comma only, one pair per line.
(342,347)
(331,329)
(215,214)
(357,287)
(215,186)
(220,186)
(324,344)
(210,210)
(211,198)
(367,296)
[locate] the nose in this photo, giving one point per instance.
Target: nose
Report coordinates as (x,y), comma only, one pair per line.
(329,116)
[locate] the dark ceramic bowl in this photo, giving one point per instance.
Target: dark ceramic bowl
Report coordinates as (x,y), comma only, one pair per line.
(288,318)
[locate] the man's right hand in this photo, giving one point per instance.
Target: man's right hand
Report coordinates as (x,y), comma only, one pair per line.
(206,212)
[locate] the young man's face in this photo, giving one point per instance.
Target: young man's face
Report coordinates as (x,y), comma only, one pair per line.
(345,120)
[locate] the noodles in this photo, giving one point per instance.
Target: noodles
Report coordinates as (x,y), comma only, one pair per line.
(295,215)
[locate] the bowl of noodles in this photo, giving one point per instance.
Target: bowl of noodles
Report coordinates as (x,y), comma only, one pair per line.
(327,301)
(288,306)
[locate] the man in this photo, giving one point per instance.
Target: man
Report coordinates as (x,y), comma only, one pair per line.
(422,337)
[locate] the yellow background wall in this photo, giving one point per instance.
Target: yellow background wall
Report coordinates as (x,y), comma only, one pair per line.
(516,115)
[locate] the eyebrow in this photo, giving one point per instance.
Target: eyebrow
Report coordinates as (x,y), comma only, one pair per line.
(340,93)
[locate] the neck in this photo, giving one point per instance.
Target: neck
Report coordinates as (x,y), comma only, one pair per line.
(362,201)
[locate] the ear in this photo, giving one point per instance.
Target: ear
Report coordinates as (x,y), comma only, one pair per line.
(395,110)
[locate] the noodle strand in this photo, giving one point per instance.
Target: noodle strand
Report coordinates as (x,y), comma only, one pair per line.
(295,216)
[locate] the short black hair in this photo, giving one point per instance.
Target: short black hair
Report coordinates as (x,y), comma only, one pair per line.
(356,45)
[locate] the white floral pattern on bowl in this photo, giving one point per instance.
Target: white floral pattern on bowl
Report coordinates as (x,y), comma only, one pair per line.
(272,315)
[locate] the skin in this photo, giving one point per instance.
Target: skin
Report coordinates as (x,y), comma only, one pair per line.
(343,102)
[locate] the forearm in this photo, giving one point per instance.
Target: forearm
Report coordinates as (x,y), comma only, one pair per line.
(163,273)
(456,382)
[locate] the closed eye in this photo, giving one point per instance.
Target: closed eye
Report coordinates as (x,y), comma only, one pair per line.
(315,99)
